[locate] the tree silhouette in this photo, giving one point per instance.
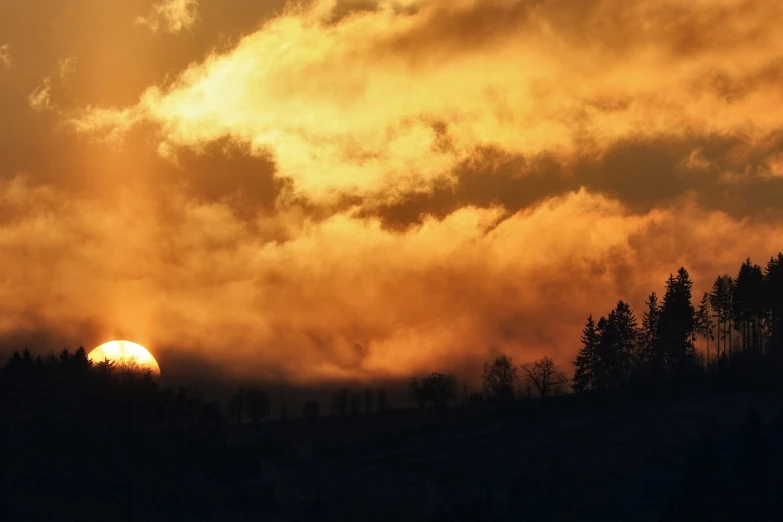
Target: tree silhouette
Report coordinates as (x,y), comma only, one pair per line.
(773,280)
(367,400)
(616,346)
(382,400)
(340,401)
(236,405)
(587,358)
(704,324)
(499,378)
(417,392)
(544,376)
(652,349)
(356,404)
(440,388)
(678,321)
(721,304)
(257,405)
(749,306)
(63,407)
(310,410)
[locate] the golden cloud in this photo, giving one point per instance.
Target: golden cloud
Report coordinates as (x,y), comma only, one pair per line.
(5,56)
(344,298)
(41,98)
(171,16)
(388,101)
(359,189)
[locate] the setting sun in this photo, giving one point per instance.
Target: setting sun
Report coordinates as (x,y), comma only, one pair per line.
(125,351)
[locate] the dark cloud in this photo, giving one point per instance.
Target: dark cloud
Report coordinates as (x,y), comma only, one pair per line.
(643,174)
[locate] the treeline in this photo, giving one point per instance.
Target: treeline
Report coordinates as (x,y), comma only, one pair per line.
(67,423)
(738,323)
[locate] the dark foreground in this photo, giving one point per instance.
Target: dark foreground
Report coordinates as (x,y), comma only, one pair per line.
(173,458)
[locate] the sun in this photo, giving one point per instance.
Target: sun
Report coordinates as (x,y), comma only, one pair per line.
(125,351)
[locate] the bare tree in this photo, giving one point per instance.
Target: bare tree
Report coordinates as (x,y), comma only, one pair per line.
(544,376)
(367,400)
(417,392)
(310,410)
(440,388)
(382,399)
(356,404)
(236,405)
(340,402)
(499,378)
(257,405)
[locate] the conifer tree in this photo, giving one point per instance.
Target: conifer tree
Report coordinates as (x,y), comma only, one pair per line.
(678,320)
(773,282)
(584,375)
(704,324)
(650,336)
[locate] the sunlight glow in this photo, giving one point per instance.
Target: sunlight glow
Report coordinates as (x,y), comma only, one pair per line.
(125,351)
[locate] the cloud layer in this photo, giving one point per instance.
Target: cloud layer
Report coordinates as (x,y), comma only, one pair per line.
(364,190)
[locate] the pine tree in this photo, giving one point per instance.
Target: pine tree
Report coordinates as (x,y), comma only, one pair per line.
(617,340)
(721,304)
(678,320)
(704,324)
(626,341)
(650,336)
(607,350)
(741,304)
(584,375)
(773,281)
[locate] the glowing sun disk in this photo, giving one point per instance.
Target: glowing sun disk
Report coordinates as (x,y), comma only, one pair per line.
(125,351)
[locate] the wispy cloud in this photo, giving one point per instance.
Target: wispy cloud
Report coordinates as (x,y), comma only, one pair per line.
(171,16)
(41,98)
(5,56)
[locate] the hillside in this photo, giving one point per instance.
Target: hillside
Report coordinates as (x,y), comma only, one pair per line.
(618,462)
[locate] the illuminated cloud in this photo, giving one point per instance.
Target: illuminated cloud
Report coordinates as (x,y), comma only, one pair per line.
(41,98)
(293,297)
(358,189)
(171,16)
(389,102)
(5,56)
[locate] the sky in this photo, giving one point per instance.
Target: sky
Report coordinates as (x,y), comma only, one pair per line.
(356,189)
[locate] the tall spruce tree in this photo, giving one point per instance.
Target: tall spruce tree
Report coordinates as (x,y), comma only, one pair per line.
(584,375)
(604,353)
(704,324)
(749,306)
(773,281)
(617,341)
(678,321)
(721,304)
(650,335)
(627,335)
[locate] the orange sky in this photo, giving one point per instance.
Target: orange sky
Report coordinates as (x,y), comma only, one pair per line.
(360,189)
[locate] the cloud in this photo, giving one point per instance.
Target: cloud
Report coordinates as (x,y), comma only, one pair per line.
(171,16)
(5,56)
(41,97)
(291,297)
(389,102)
(357,189)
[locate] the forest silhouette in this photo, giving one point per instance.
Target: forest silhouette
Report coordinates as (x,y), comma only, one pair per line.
(85,441)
